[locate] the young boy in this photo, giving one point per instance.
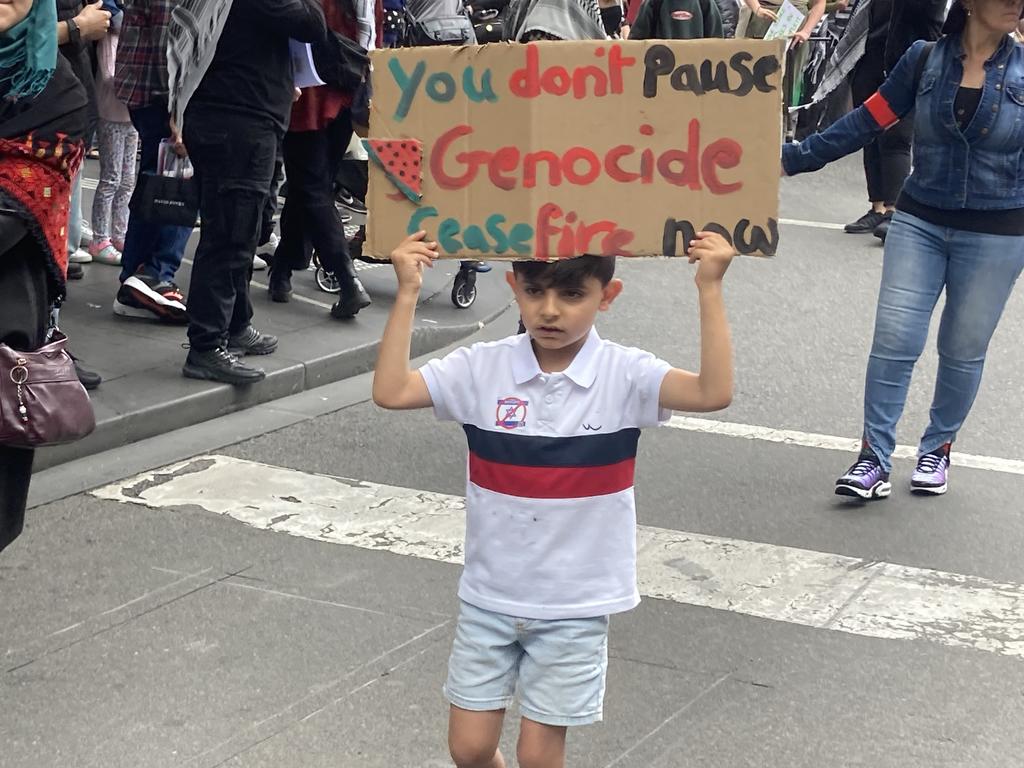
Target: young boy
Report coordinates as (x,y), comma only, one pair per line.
(553,417)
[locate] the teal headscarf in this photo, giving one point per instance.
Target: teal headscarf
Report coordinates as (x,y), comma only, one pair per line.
(28,52)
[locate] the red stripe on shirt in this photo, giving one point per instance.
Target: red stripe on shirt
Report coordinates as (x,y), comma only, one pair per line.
(551,482)
(879,109)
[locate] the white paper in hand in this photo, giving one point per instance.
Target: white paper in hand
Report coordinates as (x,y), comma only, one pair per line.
(788,23)
(306,75)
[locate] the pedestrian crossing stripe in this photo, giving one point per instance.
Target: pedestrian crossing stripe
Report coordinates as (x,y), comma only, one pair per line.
(814,589)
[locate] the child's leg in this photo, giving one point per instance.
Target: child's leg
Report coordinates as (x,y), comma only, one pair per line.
(481,681)
(473,738)
(130,144)
(110,179)
(541,746)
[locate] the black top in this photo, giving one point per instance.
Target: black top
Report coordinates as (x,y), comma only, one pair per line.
(879,15)
(251,73)
(965,105)
(1009,222)
(912,20)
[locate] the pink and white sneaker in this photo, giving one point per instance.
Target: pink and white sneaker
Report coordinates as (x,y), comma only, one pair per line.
(104,252)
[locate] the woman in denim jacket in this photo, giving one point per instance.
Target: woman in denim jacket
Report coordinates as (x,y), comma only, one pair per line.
(959,225)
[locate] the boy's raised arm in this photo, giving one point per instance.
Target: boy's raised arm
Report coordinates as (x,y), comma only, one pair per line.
(711,389)
(394,385)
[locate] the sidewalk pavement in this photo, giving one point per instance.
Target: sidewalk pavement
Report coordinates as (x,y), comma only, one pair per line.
(144,393)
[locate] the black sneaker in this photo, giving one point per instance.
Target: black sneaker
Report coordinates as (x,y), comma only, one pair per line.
(89,379)
(349,307)
(350,201)
(220,365)
(252,342)
(145,297)
(865,224)
(883,227)
(75,271)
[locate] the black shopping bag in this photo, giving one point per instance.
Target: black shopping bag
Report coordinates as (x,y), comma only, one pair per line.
(171,200)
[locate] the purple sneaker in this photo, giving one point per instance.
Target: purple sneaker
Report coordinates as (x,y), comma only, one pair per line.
(932,474)
(865,479)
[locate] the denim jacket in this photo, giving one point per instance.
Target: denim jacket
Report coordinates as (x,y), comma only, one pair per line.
(981,168)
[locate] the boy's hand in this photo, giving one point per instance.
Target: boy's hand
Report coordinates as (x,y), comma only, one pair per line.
(410,258)
(714,253)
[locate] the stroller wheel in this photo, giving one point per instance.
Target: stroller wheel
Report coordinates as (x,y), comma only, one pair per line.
(464,290)
(327,281)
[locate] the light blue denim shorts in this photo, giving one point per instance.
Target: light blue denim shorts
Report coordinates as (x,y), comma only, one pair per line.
(558,667)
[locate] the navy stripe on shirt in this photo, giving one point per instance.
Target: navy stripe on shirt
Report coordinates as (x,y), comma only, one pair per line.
(537,451)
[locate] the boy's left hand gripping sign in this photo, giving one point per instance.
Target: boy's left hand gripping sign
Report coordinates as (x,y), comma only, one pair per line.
(554,150)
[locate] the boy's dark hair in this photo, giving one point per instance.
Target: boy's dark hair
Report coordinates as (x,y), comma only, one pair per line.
(566,273)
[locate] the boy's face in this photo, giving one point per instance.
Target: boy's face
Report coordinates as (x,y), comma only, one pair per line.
(560,317)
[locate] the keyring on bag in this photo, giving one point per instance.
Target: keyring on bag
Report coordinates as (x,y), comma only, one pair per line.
(19,375)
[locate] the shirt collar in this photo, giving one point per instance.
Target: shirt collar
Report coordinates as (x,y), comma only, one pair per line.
(582,370)
(999,57)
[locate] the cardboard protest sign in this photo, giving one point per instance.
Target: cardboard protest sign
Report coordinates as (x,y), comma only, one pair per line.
(558,149)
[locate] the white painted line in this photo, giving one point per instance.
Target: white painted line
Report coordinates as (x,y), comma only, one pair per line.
(832,443)
(814,589)
(813,224)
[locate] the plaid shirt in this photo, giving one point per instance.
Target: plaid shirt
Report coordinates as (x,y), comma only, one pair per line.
(141,73)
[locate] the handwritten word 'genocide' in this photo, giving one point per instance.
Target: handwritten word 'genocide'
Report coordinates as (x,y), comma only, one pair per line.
(605,77)
(695,166)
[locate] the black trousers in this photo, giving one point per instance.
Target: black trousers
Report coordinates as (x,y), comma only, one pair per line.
(309,218)
(233,156)
(887,158)
(24,318)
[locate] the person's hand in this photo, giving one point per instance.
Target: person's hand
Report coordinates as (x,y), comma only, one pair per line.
(297,95)
(93,22)
(179,145)
(799,38)
(841,6)
(714,253)
(410,258)
(763,13)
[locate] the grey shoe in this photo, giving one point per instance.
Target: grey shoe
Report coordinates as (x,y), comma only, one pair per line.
(252,342)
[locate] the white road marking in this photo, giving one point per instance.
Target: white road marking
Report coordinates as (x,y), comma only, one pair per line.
(832,443)
(814,589)
(813,224)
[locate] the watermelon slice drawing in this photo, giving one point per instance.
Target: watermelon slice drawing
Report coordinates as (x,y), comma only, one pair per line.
(402,162)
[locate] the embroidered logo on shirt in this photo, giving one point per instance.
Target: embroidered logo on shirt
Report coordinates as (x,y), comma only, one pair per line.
(682,15)
(511,413)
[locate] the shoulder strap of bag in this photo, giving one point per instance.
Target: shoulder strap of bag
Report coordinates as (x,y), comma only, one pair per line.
(922,62)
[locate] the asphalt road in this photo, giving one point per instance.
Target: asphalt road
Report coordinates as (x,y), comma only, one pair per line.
(145,625)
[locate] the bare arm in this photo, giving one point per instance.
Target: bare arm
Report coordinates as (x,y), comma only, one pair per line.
(92,22)
(711,389)
(814,14)
(394,385)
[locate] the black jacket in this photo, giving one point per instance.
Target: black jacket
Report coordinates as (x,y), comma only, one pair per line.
(730,13)
(912,20)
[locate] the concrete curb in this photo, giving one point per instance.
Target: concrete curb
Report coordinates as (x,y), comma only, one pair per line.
(114,430)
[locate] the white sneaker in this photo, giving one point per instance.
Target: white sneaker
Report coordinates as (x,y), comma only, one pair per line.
(268,248)
(258,264)
(87,233)
(80,256)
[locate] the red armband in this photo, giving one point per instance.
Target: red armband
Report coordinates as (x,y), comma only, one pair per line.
(879,109)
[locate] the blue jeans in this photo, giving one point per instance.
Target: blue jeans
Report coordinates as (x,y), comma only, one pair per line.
(978,272)
(156,247)
(75,214)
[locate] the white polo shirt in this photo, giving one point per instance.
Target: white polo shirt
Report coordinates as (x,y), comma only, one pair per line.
(550,514)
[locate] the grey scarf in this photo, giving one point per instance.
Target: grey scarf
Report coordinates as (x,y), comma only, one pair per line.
(847,53)
(192,38)
(563,19)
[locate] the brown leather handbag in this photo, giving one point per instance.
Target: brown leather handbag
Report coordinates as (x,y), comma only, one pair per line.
(41,400)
